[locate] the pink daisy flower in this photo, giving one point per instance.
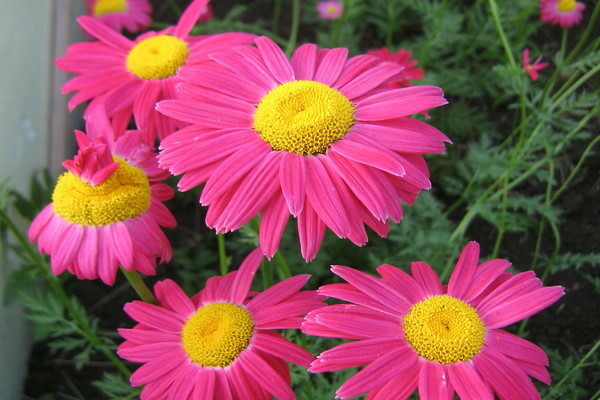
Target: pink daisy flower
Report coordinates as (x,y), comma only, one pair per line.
(220,343)
(402,58)
(318,137)
(532,69)
(413,333)
(565,13)
(132,15)
(129,77)
(107,209)
(330,9)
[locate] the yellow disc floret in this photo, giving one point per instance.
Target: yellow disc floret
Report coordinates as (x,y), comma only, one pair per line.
(303,117)
(444,329)
(216,334)
(102,7)
(125,194)
(157,57)
(566,5)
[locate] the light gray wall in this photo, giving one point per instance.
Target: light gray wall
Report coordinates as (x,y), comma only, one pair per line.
(35,131)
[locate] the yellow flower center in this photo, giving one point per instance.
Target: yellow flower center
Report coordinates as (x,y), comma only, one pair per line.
(125,194)
(109,6)
(444,329)
(566,5)
(216,334)
(157,57)
(331,9)
(303,117)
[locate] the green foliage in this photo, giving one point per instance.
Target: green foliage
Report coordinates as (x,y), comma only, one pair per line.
(116,387)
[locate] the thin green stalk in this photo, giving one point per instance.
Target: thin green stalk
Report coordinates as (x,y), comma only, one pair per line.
(575,368)
(501,228)
(574,171)
(294,29)
(282,266)
(140,287)
(498,23)
(337,28)
(276,16)
(59,292)
(266,270)
(223,261)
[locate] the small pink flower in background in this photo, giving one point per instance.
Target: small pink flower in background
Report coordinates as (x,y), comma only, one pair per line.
(107,209)
(206,15)
(532,69)
(220,343)
(413,333)
(565,13)
(402,58)
(330,9)
(132,15)
(318,137)
(128,77)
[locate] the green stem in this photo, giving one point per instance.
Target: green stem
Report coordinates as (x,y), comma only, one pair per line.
(59,292)
(223,261)
(266,270)
(498,23)
(282,266)
(140,287)
(337,27)
(588,30)
(294,29)
(575,368)
(276,16)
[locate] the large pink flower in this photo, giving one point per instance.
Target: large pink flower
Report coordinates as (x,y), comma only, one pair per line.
(220,343)
(129,77)
(412,332)
(107,209)
(402,58)
(132,15)
(318,137)
(565,13)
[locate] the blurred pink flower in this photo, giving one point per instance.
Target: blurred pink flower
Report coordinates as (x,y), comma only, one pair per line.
(132,15)
(565,13)
(402,58)
(532,69)
(331,9)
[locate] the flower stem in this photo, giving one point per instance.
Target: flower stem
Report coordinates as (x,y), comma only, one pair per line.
(498,23)
(276,16)
(140,287)
(282,266)
(223,261)
(294,30)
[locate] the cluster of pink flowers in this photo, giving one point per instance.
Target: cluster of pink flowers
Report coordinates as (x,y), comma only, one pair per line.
(322,137)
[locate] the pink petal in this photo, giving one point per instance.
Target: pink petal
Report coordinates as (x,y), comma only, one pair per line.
(485,274)
(354,67)
(347,292)
(292,178)
(245,276)
(275,59)
(145,101)
(331,65)
(155,317)
(158,367)
(354,354)
(205,385)
(310,232)
(265,375)
(379,372)
(189,18)
(515,347)
(400,140)
(399,387)
(277,293)
(392,104)
(522,307)
(403,283)
(376,288)
(433,381)
(104,33)
(369,154)
(369,80)
(461,277)
(323,198)
(357,322)
(278,346)
(467,382)
(304,61)
(426,277)
(171,296)
(507,380)
(272,224)
(248,65)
